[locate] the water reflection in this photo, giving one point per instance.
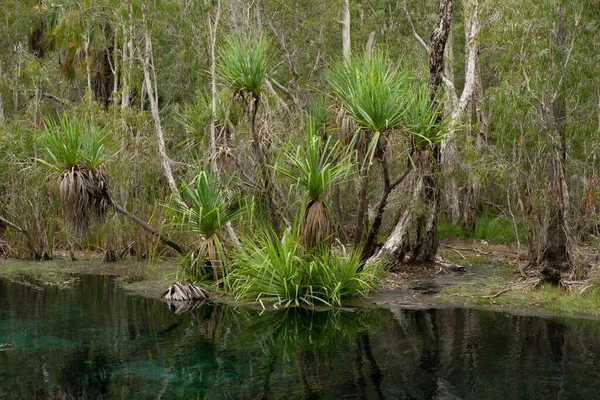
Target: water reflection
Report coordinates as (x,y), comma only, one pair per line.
(92,341)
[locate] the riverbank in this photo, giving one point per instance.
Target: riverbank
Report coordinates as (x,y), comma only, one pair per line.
(480,276)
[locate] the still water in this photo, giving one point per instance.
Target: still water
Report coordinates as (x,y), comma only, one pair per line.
(93,341)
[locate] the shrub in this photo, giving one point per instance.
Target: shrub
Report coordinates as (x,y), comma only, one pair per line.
(280,271)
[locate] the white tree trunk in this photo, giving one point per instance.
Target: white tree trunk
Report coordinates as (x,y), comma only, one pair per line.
(152,97)
(346,28)
(213,86)
(88,66)
(458,105)
(127,60)
(1,100)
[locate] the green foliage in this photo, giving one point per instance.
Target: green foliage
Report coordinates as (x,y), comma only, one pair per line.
(279,271)
(246,67)
(496,229)
(69,142)
(195,117)
(336,277)
(317,167)
(372,90)
(422,119)
(319,115)
(447,230)
(205,205)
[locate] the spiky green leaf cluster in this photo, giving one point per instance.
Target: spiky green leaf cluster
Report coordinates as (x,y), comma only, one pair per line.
(205,205)
(423,120)
(281,272)
(68,142)
(318,165)
(246,67)
(372,90)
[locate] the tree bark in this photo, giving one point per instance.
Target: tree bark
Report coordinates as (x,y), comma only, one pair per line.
(556,252)
(346,48)
(37,255)
(424,203)
(164,158)
(1,100)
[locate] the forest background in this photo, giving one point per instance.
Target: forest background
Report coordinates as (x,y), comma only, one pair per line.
(506,149)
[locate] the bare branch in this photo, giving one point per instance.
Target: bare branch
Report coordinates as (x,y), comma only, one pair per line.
(412,28)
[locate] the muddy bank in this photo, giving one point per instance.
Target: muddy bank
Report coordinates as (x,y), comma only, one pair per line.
(142,278)
(488,277)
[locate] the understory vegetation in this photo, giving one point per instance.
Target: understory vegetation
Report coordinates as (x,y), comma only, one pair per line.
(287,159)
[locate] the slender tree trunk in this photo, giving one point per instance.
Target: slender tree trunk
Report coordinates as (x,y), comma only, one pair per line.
(213,86)
(148,228)
(115,67)
(556,254)
(346,29)
(2,118)
(34,252)
(127,60)
(213,25)
(152,97)
(88,66)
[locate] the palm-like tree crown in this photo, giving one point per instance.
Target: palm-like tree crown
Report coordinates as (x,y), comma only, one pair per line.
(204,206)
(245,68)
(371,90)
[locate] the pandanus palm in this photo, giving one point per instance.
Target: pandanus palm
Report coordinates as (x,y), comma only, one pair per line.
(317,167)
(204,207)
(375,95)
(245,68)
(75,150)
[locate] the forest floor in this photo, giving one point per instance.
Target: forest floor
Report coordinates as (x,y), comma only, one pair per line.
(475,275)
(491,276)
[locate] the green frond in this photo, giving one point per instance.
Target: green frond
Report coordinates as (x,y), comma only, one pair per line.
(68,142)
(318,166)
(246,67)
(204,206)
(371,90)
(423,120)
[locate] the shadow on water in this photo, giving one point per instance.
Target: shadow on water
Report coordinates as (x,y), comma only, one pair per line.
(92,341)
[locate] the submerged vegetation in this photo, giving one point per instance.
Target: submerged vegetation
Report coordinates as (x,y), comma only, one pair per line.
(308,166)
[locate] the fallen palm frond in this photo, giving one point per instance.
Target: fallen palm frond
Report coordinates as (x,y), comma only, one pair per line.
(185,291)
(316,226)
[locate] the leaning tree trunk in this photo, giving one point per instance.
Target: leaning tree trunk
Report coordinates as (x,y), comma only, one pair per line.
(424,203)
(35,254)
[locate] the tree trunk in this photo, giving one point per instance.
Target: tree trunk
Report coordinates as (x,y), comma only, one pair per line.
(556,252)
(213,25)
(164,158)
(37,255)
(346,29)
(127,61)
(459,106)
(148,228)
(1,100)
(424,203)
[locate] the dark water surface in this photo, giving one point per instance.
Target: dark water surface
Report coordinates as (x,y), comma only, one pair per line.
(93,341)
